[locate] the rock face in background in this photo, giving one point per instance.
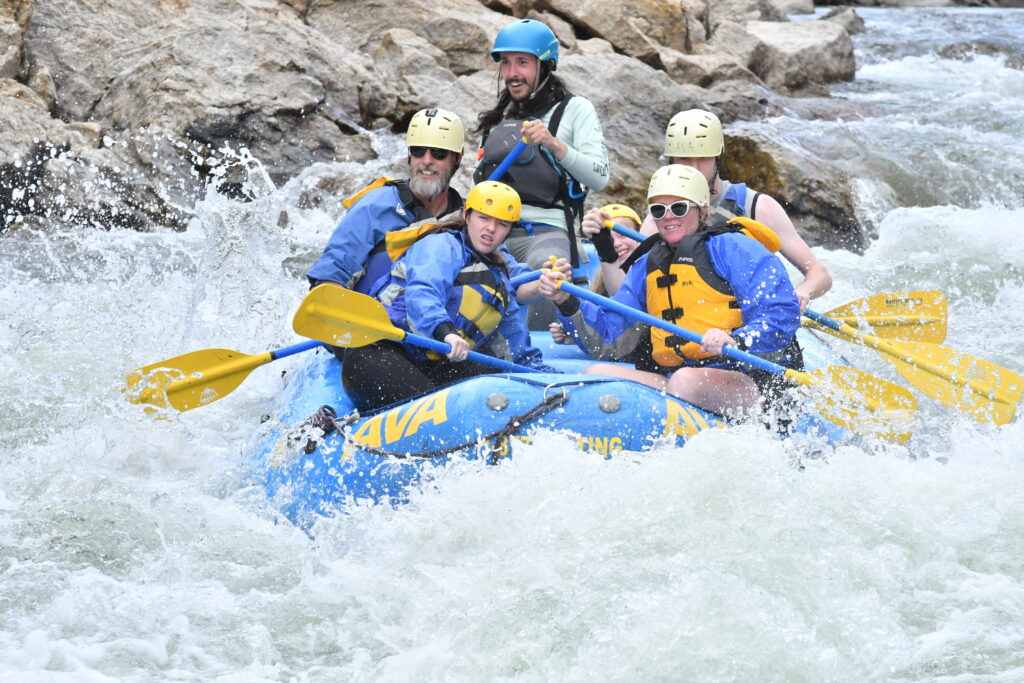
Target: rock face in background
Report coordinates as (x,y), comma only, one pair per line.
(120,113)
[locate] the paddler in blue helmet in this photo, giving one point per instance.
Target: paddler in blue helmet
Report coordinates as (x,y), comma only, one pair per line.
(567,152)
(720,281)
(451,284)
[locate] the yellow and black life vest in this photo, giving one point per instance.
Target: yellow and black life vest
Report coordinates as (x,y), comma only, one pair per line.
(480,296)
(483,302)
(683,288)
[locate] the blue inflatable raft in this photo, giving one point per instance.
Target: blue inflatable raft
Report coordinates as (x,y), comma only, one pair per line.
(317,456)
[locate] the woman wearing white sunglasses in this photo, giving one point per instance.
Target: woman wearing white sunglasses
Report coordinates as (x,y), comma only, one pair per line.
(719,282)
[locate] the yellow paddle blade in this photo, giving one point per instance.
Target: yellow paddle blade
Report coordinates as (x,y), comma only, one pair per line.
(914,316)
(975,387)
(191,380)
(341,317)
(860,402)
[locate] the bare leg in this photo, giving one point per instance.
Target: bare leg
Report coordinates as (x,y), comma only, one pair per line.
(726,392)
(651,379)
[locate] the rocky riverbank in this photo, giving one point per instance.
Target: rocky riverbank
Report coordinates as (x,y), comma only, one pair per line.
(119,113)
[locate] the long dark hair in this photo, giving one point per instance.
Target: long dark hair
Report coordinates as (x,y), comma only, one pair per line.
(551,90)
(458,224)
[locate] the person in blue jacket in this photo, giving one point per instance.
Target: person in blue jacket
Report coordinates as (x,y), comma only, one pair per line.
(453,285)
(718,280)
(355,256)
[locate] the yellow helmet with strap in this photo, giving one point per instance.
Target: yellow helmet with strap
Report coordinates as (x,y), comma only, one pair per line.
(694,133)
(436,128)
(676,180)
(495,199)
(621,211)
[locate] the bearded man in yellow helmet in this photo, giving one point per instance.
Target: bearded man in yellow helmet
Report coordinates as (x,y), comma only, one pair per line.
(722,284)
(451,284)
(355,256)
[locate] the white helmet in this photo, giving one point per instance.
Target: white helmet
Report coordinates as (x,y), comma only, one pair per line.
(436,128)
(676,180)
(694,133)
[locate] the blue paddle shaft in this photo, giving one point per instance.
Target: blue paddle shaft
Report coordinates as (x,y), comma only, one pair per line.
(626,232)
(509,160)
(482,358)
(295,348)
(525,277)
(824,320)
(689,335)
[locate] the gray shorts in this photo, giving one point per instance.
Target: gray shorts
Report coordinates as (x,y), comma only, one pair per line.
(534,250)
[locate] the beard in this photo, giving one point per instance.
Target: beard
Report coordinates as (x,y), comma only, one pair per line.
(430,188)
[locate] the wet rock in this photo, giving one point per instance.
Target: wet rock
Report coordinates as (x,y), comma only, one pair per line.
(846,17)
(801,56)
(1013,55)
(816,195)
(217,73)
(152,100)
(742,11)
(637,28)
(59,172)
(787,7)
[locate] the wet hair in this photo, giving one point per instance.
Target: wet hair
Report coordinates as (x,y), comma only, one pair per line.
(458,224)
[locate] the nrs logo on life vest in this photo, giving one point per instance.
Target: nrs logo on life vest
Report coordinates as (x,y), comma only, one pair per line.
(403,421)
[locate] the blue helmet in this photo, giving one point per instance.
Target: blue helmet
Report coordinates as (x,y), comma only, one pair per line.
(527,35)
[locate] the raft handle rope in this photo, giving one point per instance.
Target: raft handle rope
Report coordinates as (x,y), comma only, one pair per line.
(325,419)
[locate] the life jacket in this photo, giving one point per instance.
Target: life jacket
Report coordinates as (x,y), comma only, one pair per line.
(538,178)
(479,300)
(420,223)
(683,288)
(736,200)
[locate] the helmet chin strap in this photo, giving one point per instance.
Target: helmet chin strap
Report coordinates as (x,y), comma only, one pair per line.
(718,175)
(540,86)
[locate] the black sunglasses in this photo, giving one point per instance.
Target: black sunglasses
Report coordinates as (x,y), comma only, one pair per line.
(678,209)
(439,154)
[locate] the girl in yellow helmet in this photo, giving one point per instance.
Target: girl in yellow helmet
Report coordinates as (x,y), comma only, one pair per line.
(613,250)
(451,284)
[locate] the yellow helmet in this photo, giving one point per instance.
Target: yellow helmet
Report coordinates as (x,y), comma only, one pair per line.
(621,211)
(676,180)
(495,199)
(694,133)
(436,128)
